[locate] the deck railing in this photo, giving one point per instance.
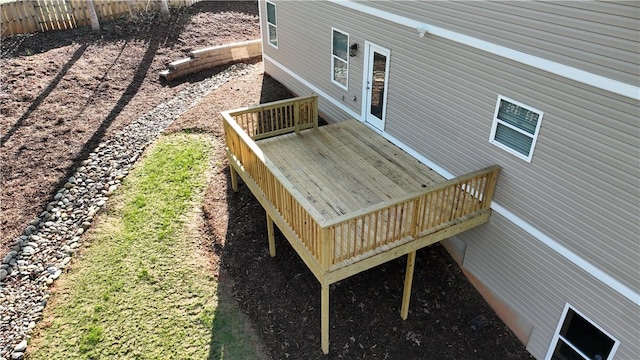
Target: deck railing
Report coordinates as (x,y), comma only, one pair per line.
(279,117)
(351,237)
(374,229)
(242,127)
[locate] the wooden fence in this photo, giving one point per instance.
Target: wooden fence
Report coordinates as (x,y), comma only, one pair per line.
(29,16)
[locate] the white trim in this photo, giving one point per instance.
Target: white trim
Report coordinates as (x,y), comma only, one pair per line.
(574,258)
(497,120)
(266,18)
(334,58)
(585,77)
(580,262)
(556,334)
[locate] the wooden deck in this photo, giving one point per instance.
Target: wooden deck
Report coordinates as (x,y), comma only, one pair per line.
(345,198)
(345,167)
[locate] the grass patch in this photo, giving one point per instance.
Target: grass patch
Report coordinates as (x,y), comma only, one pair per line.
(142,289)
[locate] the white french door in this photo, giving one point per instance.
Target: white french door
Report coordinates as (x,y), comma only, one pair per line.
(376,81)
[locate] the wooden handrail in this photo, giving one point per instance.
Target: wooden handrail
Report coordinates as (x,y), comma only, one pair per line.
(410,216)
(270,105)
(294,209)
(278,117)
(272,167)
(409,196)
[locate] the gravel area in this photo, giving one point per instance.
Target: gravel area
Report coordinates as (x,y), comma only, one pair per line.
(41,254)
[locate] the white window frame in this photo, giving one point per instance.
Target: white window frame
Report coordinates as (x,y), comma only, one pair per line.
(275,11)
(334,58)
(557,337)
(497,121)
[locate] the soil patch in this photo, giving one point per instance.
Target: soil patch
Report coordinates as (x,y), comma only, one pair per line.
(62,92)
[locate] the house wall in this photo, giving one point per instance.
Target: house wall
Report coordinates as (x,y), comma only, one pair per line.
(540,282)
(302,46)
(599,37)
(581,188)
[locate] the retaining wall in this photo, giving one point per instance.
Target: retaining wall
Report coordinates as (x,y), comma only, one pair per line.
(210,57)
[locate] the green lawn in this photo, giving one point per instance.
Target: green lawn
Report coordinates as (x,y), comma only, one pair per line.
(142,289)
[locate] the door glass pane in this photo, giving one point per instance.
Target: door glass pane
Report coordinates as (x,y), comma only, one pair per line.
(377,84)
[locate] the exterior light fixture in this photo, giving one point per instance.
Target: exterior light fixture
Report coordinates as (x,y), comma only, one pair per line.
(353,49)
(422,30)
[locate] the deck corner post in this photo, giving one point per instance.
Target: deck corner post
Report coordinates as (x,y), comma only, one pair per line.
(272,241)
(324,316)
(325,255)
(315,112)
(491,186)
(296,116)
(408,282)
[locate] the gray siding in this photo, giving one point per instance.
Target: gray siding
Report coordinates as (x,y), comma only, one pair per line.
(581,188)
(599,37)
(304,45)
(327,110)
(540,282)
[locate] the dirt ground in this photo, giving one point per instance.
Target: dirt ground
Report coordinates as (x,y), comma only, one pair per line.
(63,92)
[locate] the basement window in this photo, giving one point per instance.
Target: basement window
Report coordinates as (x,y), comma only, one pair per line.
(578,338)
(339,58)
(272,24)
(515,127)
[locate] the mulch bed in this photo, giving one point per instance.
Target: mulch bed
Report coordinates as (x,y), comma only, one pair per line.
(78,87)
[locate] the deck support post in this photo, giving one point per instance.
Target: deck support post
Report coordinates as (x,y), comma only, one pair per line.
(272,239)
(324,317)
(408,281)
(234,177)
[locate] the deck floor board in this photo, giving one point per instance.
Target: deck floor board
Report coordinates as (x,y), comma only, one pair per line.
(346,166)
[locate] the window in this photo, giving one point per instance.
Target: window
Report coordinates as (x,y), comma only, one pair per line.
(272,24)
(515,127)
(340,58)
(578,338)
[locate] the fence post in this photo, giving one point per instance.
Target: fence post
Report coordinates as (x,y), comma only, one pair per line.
(492,179)
(164,7)
(95,24)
